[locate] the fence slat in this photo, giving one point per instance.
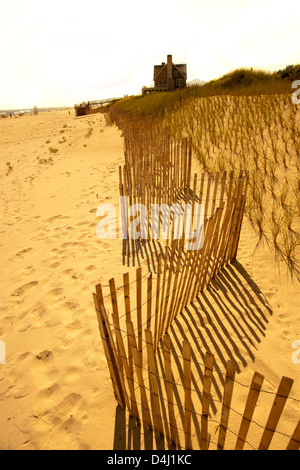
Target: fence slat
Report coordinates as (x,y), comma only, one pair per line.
(109,349)
(206,215)
(157,297)
(169,388)
(227,396)
(128,315)
(210,247)
(149,301)
(187,382)
(167,294)
(172,311)
(162,301)
(249,409)
(213,206)
(139,306)
(275,413)
(133,409)
(153,383)
(139,373)
(240,220)
(294,443)
(207,380)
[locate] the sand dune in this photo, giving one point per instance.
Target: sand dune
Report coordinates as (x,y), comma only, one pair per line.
(55,389)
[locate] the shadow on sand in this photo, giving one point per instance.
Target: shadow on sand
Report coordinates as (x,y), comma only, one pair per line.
(229,319)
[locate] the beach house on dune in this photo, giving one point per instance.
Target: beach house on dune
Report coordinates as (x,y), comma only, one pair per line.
(167,77)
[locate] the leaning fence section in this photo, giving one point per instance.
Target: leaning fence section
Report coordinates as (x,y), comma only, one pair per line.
(182,273)
(135,318)
(147,383)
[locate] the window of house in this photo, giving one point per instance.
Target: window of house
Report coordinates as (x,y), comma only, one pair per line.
(159,82)
(164,74)
(175,73)
(165,82)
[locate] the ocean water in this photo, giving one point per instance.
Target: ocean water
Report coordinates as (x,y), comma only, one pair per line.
(41,110)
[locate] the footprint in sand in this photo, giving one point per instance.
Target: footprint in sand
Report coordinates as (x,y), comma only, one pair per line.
(282,317)
(44,396)
(43,367)
(24,288)
(55,292)
(70,332)
(79,246)
(25,272)
(68,434)
(82,224)
(58,419)
(54,265)
(29,370)
(23,252)
(91,267)
(55,217)
(285,335)
(17,389)
(35,317)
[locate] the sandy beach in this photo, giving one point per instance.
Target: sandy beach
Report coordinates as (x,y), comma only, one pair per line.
(55,388)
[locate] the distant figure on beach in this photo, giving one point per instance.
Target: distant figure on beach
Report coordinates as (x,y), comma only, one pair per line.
(35,111)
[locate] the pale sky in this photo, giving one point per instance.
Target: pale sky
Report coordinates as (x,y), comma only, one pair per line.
(62,52)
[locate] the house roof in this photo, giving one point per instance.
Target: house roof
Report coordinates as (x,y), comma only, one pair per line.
(158,68)
(181,68)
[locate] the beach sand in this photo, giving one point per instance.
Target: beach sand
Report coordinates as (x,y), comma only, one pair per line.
(55,388)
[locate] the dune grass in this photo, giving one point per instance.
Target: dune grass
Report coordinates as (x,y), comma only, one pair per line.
(241,82)
(260,134)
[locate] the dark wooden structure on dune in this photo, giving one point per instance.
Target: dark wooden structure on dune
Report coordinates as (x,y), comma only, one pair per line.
(92,107)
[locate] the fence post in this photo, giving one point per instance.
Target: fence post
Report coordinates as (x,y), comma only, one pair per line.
(240,219)
(275,413)
(207,379)
(128,314)
(187,381)
(167,293)
(157,297)
(139,306)
(109,349)
(149,301)
(294,443)
(162,301)
(133,409)
(227,396)
(169,387)
(153,383)
(249,409)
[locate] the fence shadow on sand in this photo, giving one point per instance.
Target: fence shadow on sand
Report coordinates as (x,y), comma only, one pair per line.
(229,319)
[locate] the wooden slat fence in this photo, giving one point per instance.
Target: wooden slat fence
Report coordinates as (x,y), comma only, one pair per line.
(137,388)
(135,334)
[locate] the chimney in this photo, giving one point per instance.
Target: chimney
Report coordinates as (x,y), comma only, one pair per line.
(169,66)
(170,80)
